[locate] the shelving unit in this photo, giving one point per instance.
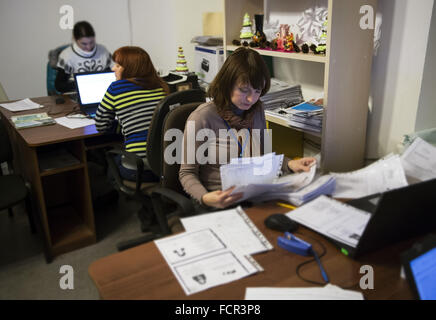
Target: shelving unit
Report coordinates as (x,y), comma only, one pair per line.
(59,176)
(346,70)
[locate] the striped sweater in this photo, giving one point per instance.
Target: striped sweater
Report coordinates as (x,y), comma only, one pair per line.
(133,106)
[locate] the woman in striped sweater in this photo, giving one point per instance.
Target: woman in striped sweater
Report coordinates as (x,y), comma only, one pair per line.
(131,99)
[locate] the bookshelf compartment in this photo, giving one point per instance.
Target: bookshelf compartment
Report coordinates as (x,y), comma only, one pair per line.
(69,210)
(56,158)
(342,75)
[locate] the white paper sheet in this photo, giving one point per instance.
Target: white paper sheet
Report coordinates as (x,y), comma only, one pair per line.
(255,170)
(74,123)
(21,105)
(234,226)
(383,175)
(333,219)
(201,260)
(258,177)
(419,160)
(329,292)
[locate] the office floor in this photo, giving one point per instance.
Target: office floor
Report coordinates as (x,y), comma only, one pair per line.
(24,274)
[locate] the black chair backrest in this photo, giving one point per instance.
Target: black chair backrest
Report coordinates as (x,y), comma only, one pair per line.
(155,131)
(175,119)
(5,145)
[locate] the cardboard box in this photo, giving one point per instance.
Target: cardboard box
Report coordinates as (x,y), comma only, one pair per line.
(208,61)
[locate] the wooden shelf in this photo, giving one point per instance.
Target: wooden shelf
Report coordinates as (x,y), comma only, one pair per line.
(345,70)
(286,55)
(68,230)
(50,172)
(284,123)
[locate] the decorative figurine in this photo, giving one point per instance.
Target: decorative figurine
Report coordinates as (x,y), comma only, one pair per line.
(181,67)
(246,31)
(322,43)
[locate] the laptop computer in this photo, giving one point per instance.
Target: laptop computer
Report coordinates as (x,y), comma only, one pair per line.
(419,264)
(396,215)
(91,87)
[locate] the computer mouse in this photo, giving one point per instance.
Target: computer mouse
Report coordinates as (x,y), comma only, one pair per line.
(281,222)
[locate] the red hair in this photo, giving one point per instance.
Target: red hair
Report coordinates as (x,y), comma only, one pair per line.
(138,68)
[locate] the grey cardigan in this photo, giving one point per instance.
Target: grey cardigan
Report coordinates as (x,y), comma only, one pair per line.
(200,171)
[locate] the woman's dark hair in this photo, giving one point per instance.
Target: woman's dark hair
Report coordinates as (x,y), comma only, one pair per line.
(244,65)
(138,68)
(83,29)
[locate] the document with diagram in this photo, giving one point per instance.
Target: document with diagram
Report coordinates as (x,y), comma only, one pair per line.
(201,260)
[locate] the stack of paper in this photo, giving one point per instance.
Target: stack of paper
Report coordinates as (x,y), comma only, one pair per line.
(74,123)
(334,219)
(258,179)
(201,259)
(419,161)
(324,185)
(254,170)
(21,105)
(234,226)
(305,116)
(281,94)
(384,175)
(329,292)
(32,120)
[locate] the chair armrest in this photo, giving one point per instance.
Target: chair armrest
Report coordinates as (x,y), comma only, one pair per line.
(134,160)
(183,202)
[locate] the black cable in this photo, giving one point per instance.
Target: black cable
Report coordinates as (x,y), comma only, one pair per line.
(311,260)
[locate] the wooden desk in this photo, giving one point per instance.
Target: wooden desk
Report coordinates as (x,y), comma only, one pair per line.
(61,193)
(142,273)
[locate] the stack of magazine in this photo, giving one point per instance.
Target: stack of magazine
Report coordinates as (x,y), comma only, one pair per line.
(281,94)
(32,120)
(306,116)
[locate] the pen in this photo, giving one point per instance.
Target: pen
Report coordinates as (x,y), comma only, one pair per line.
(285,205)
(323,273)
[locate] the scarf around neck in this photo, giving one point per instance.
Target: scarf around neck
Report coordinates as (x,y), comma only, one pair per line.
(82,53)
(238,122)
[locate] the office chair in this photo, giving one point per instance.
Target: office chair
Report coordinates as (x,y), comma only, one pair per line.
(13,189)
(149,194)
(52,72)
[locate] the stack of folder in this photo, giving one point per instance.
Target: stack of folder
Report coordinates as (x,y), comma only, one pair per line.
(305,116)
(282,94)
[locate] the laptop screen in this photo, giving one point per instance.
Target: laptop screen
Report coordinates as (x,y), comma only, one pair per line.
(423,269)
(91,87)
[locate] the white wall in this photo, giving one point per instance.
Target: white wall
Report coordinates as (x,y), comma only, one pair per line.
(161,26)
(29,29)
(426,117)
(397,73)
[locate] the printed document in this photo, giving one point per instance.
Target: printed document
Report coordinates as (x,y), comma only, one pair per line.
(201,260)
(333,219)
(329,292)
(419,160)
(234,226)
(383,175)
(254,170)
(74,123)
(21,105)
(259,177)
